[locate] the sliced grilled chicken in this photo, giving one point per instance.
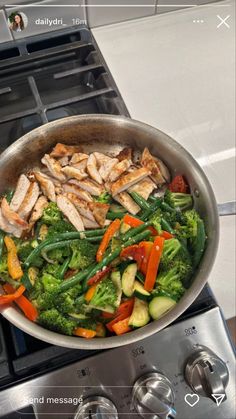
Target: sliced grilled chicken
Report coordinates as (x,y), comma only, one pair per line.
(164,170)
(8,228)
(64,161)
(78,157)
(107,167)
(54,167)
(72,172)
(29,201)
(125,181)
(37,212)
(69,210)
(125,154)
(81,165)
(11,216)
(73,188)
(81,205)
(144,188)
(148,161)
(88,185)
(101,158)
(46,185)
(99,211)
(119,169)
(92,169)
(127,202)
(89,224)
(62,150)
(20,192)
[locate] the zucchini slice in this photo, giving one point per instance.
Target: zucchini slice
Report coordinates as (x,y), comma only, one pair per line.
(140,292)
(116,279)
(159,306)
(128,279)
(140,315)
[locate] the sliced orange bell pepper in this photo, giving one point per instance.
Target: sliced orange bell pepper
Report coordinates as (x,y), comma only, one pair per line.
(125,309)
(153,263)
(13,263)
(84,333)
(25,305)
(122,326)
(147,246)
(90,293)
(112,229)
(166,235)
(8,298)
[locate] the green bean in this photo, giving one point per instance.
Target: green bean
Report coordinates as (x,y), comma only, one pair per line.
(166,226)
(140,201)
(63,268)
(199,243)
(136,239)
(111,215)
(166,207)
(26,281)
(91,234)
(1,243)
(74,280)
(134,231)
(140,277)
(152,198)
(146,214)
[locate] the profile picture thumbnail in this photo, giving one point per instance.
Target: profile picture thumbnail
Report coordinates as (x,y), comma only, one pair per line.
(17,21)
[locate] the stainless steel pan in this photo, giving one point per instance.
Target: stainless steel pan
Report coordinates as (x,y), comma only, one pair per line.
(110,134)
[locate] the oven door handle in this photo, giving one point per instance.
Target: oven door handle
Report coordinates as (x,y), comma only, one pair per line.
(227,208)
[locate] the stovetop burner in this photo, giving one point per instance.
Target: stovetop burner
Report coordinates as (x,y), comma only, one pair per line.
(43,79)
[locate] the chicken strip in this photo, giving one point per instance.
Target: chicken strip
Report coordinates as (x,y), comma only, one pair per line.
(81,205)
(127,202)
(54,167)
(107,167)
(101,158)
(148,161)
(89,224)
(92,169)
(72,172)
(99,211)
(119,169)
(46,185)
(143,188)
(88,185)
(62,150)
(20,192)
(125,181)
(11,216)
(81,165)
(64,161)
(125,154)
(69,210)
(78,157)
(29,201)
(37,212)
(164,170)
(73,188)
(8,228)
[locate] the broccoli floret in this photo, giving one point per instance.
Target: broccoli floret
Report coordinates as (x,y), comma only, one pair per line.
(50,283)
(171,248)
(83,254)
(104,198)
(51,214)
(170,281)
(65,301)
(61,226)
(45,301)
(179,200)
(59,254)
(156,220)
(105,294)
(55,321)
(24,250)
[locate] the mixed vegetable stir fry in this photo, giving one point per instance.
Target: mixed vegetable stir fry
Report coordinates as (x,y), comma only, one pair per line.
(97,263)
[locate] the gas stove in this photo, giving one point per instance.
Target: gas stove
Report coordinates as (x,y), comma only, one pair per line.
(179,371)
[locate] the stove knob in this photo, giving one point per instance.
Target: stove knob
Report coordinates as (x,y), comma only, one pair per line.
(153,397)
(206,373)
(96,407)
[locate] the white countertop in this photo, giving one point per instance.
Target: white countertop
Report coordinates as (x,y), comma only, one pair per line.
(178,76)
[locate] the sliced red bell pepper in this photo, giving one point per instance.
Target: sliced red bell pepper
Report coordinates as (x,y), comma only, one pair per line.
(125,309)
(122,326)
(178,184)
(135,222)
(135,252)
(153,263)
(98,276)
(147,246)
(25,305)
(8,298)
(166,235)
